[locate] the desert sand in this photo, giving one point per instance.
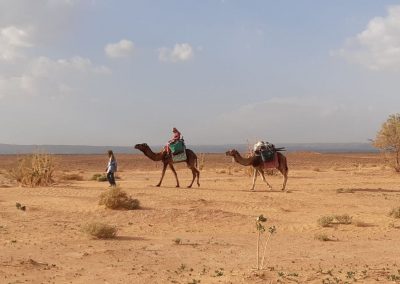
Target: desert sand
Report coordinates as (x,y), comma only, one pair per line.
(206,234)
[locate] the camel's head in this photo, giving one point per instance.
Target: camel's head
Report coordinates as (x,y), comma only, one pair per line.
(231,152)
(141,147)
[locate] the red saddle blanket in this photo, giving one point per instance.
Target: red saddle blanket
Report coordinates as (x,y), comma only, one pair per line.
(272,164)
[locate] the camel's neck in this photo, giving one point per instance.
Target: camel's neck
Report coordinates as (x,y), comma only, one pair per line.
(243,161)
(153,156)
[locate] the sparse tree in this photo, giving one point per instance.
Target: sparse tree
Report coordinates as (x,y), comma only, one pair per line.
(388,137)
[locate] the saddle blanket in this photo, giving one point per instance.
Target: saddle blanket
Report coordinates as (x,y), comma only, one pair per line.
(181,157)
(273,163)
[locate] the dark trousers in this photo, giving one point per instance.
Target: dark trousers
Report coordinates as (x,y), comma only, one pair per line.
(111,178)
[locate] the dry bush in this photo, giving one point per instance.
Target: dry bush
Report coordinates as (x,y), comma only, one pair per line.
(202,161)
(395,212)
(100,230)
(34,170)
(115,198)
(76,177)
(325,221)
(99,177)
(344,219)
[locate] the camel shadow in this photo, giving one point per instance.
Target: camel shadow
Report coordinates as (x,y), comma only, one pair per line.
(129,238)
(373,190)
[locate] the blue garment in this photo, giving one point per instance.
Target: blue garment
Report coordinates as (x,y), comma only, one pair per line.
(112,166)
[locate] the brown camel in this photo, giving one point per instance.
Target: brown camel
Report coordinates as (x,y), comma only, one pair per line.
(257,164)
(167,161)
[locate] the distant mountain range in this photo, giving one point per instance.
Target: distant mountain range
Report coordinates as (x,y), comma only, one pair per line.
(82,149)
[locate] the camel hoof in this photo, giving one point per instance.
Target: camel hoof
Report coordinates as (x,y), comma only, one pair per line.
(198,185)
(177,186)
(189,186)
(158,185)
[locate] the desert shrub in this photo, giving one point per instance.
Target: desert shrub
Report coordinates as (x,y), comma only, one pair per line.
(115,198)
(325,221)
(343,219)
(34,170)
(99,177)
(100,230)
(202,161)
(395,212)
(76,177)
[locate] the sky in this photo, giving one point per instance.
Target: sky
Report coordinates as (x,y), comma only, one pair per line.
(102,72)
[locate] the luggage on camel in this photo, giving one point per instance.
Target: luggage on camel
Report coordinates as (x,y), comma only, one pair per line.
(178,151)
(268,153)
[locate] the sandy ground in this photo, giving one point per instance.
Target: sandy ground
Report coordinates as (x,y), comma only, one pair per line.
(206,234)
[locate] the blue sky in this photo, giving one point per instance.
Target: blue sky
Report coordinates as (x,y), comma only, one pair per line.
(122,72)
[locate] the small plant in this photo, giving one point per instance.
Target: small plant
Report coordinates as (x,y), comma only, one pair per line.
(325,221)
(261,229)
(115,198)
(350,274)
(322,237)
(100,230)
(395,213)
(34,170)
(202,161)
(19,206)
(219,272)
(178,241)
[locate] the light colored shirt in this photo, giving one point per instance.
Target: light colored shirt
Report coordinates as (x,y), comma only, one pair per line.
(112,166)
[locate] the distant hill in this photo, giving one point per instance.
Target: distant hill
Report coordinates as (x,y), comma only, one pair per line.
(82,149)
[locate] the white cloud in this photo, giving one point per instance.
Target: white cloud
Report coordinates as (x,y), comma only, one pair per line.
(123,48)
(52,78)
(12,41)
(180,52)
(378,46)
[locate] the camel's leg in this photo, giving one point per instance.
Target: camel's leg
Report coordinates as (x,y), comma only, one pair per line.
(198,177)
(176,175)
(264,179)
(162,174)
(195,173)
(285,177)
(254,178)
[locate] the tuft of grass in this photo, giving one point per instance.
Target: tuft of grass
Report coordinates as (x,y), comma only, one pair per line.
(34,170)
(395,213)
(322,237)
(115,198)
(344,219)
(76,177)
(325,221)
(100,230)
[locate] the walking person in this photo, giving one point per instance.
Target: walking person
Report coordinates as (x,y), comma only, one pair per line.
(111,168)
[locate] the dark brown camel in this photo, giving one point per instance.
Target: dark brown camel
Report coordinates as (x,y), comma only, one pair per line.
(257,164)
(167,161)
